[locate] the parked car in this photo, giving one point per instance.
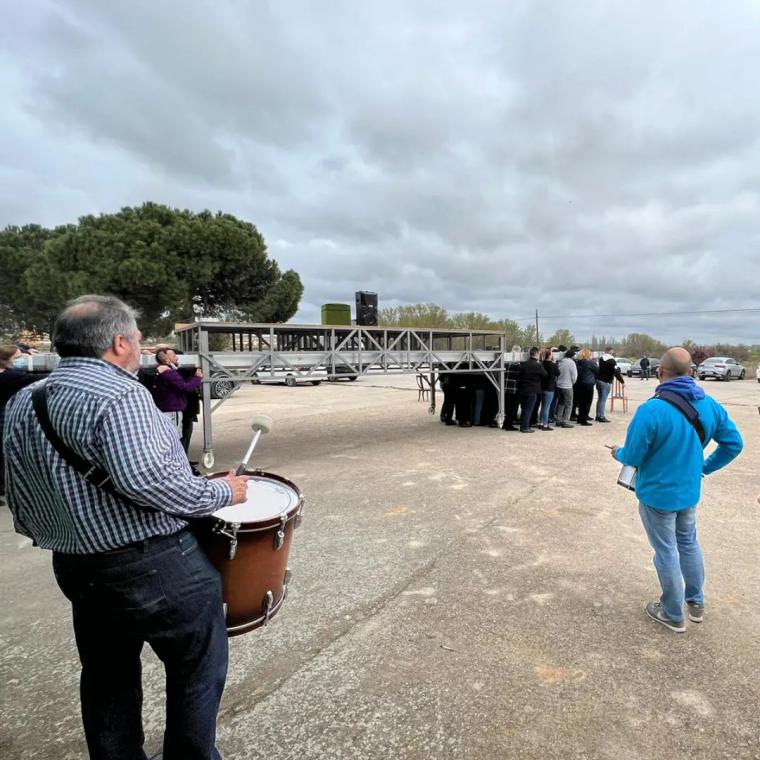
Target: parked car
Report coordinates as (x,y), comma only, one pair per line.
(757,373)
(289,377)
(222,385)
(344,372)
(721,368)
(635,370)
(624,366)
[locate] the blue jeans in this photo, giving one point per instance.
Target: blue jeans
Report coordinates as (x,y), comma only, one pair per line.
(546,404)
(527,403)
(677,557)
(163,592)
(553,407)
(602,391)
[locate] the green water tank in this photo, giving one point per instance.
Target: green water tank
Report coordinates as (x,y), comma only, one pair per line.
(336,314)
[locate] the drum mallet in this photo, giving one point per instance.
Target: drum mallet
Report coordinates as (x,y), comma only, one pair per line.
(261,424)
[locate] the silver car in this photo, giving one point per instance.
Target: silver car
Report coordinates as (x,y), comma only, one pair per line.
(721,368)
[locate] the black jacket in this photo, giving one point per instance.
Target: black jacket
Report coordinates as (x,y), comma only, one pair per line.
(549,383)
(587,371)
(608,369)
(531,376)
(13,380)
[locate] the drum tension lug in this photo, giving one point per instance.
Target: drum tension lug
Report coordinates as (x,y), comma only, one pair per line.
(231,534)
(268,602)
(279,537)
(285,583)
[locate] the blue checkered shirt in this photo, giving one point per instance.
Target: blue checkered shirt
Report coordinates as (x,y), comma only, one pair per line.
(107,417)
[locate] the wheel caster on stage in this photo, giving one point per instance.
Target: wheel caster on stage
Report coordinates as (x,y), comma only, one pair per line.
(208,459)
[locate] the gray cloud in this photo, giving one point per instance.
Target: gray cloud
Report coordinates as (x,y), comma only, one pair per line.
(593,159)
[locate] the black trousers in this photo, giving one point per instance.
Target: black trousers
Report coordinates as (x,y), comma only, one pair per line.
(188,421)
(585,397)
(449,400)
(464,404)
(511,403)
(165,593)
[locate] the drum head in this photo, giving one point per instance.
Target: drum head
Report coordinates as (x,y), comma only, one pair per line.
(266,499)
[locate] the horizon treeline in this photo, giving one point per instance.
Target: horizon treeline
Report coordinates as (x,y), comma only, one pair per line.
(633,345)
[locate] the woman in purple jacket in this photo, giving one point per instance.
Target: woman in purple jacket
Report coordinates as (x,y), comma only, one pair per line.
(171,389)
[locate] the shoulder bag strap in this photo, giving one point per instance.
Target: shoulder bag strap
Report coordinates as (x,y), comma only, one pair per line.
(683,406)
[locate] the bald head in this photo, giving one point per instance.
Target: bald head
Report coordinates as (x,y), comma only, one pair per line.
(675,362)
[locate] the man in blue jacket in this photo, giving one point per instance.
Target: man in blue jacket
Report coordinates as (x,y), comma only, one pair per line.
(668,452)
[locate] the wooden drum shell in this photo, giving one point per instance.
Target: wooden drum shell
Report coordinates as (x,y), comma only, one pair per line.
(257,568)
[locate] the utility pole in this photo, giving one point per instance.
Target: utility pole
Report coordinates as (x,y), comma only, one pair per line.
(537,336)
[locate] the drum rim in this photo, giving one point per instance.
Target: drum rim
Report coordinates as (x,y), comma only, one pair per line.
(269,522)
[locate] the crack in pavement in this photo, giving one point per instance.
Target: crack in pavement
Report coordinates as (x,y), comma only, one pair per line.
(365,613)
(361,616)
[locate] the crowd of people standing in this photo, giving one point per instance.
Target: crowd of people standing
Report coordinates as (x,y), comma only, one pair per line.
(553,387)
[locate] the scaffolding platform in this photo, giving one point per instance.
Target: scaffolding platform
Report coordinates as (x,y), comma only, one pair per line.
(234,353)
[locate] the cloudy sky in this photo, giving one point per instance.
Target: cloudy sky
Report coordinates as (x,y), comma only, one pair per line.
(580,158)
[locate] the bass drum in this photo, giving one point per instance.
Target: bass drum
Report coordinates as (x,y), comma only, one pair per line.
(249,545)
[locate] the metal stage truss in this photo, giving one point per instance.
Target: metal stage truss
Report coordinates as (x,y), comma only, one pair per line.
(231,354)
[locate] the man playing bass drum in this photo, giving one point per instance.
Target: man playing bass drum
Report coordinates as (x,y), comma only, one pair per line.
(122,551)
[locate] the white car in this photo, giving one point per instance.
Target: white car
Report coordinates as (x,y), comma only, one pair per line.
(290,377)
(721,368)
(623,365)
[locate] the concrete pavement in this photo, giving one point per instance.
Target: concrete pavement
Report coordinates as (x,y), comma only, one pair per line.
(457,593)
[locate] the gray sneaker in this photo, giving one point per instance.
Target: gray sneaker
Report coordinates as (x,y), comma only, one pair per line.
(696,612)
(654,612)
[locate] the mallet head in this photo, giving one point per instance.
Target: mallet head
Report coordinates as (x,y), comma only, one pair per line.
(262,422)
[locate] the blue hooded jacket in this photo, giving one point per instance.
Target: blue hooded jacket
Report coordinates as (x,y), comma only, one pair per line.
(665,447)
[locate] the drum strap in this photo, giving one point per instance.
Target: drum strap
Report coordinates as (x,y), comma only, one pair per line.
(93,474)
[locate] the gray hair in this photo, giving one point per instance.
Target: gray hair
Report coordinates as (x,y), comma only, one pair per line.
(89,324)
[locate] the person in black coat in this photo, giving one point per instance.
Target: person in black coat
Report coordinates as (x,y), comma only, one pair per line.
(449,395)
(464,399)
(608,371)
(12,380)
(588,371)
(531,375)
(548,387)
